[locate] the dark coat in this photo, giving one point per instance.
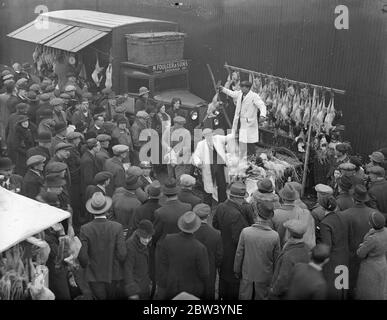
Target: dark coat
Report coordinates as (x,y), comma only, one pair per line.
(32,183)
(125,203)
(182,266)
(292,253)
(187,196)
(136,268)
(334,233)
(24,140)
(136,130)
(56,140)
(88,170)
(116,168)
(166,218)
(103,249)
(229,220)
(101,158)
(378,195)
(307,283)
(344,201)
(357,220)
(146,211)
(15,182)
(74,166)
(79,117)
(213,242)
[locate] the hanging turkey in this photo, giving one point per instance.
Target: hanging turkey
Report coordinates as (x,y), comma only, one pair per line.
(97,78)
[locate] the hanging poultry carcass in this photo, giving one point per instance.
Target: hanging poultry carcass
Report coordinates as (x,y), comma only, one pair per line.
(295,107)
(285,109)
(109,82)
(316,110)
(96,73)
(306,117)
(331,113)
(321,115)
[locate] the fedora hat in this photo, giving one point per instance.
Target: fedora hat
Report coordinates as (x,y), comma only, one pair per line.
(170,188)
(360,193)
(6,164)
(189,222)
(288,193)
(154,189)
(238,190)
(131,182)
(265,186)
(98,203)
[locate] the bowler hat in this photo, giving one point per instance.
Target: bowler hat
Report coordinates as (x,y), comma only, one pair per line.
(102,176)
(6,164)
(265,186)
(145,229)
(247,84)
(202,210)
(34,160)
(53,181)
(131,182)
(60,127)
(238,190)
(44,137)
(154,189)
(288,193)
(142,91)
(189,222)
(377,157)
(377,220)
(170,188)
(360,193)
(265,209)
(98,203)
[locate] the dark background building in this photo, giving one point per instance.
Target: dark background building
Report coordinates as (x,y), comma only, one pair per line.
(295,39)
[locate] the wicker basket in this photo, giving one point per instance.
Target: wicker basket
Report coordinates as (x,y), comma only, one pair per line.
(156,47)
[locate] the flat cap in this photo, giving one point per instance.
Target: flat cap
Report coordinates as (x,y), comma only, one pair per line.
(65,95)
(102,176)
(9,83)
(376,170)
(103,137)
(63,146)
(5,72)
(22,83)
(92,142)
(347,166)
(187,181)
(145,165)
(56,102)
(202,210)
(36,159)
(120,148)
(134,170)
(323,189)
(8,77)
(35,87)
(73,135)
(55,167)
(295,226)
(50,88)
(44,97)
(179,119)
(70,87)
(142,114)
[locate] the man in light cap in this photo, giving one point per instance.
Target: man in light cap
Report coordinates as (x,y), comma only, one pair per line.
(33,180)
(245,123)
(257,251)
(176,142)
(59,115)
(142,102)
(378,189)
(318,212)
(116,167)
(88,165)
(212,240)
(294,251)
(103,154)
(186,194)
(140,123)
(210,157)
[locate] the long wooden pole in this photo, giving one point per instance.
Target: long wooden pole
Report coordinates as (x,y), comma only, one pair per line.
(307,154)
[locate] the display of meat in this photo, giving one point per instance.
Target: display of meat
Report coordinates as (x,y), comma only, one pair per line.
(108,82)
(331,113)
(321,115)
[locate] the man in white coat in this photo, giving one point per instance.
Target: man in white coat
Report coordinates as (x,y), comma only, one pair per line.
(210,157)
(245,123)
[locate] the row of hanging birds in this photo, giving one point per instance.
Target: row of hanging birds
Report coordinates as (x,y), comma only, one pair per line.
(292,105)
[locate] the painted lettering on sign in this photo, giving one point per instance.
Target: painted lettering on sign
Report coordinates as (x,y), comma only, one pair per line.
(170,66)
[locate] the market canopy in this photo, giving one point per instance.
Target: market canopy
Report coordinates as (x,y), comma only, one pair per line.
(21,218)
(58,35)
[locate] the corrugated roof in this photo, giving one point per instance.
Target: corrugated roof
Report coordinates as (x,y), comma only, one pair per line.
(95,18)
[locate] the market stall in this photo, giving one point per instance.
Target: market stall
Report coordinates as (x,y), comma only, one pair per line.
(301,116)
(23,253)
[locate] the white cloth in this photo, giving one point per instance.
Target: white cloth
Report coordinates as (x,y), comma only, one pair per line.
(247,110)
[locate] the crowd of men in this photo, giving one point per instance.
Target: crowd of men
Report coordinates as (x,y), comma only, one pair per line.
(143,239)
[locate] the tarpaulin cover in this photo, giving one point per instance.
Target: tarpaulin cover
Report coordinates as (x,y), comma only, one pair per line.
(22,217)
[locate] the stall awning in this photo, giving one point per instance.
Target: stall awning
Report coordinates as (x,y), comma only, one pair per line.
(59,36)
